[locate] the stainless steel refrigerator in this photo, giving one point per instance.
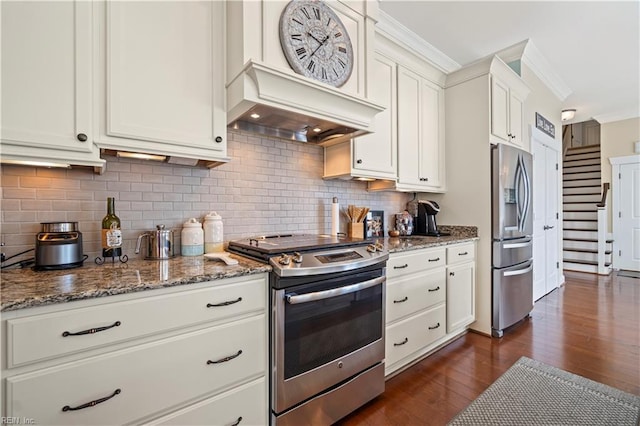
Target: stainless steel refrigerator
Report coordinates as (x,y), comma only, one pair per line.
(512,230)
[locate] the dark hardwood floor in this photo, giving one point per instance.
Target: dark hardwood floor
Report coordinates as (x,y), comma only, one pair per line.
(590,327)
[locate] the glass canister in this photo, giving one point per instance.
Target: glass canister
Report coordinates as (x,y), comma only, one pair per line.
(192,238)
(213,233)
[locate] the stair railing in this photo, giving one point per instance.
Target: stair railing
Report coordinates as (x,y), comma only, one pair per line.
(603,269)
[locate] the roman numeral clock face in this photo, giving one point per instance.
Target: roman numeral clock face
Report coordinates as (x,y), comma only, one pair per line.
(315,42)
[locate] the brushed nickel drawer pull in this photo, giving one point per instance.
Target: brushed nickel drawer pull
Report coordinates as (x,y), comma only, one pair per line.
(406,339)
(434,260)
(237,422)
(464,253)
(434,327)
(401,300)
(92,403)
(406,265)
(91,330)
(434,289)
(225,359)
(230,302)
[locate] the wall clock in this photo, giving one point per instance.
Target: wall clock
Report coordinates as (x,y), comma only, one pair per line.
(315,42)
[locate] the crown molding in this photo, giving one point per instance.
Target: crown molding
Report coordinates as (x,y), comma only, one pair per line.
(617,116)
(528,53)
(402,35)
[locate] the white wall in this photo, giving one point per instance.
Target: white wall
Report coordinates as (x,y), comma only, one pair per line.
(616,140)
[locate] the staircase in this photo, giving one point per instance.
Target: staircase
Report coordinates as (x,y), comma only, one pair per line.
(581,194)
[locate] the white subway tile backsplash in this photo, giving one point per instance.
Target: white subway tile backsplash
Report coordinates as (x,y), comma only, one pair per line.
(269,186)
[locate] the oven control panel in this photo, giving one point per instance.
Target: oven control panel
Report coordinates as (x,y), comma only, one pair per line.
(327,261)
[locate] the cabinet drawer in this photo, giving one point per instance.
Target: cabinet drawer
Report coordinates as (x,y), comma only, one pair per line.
(411,294)
(412,334)
(247,402)
(461,253)
(41,337)
(150,377)
(415,261)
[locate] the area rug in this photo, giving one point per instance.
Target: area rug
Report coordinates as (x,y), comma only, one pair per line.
(629,274)
(533,393)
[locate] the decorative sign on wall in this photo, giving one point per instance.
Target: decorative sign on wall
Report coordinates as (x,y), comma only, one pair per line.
(545,125)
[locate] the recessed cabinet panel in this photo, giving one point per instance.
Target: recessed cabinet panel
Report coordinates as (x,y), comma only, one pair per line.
(163,81)
(46,75)
(500,109)
(460,296)
(431,150)
(376,152)
(410,294)
(150,378)
(409,114)
(516,118)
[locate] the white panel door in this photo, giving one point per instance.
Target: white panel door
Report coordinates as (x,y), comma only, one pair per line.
(628,220)
(408,126)
(552,232)
(545,221)
(160,73)
(377,152)
(46,75)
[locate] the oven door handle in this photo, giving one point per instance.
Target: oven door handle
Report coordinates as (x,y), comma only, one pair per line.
(319,295)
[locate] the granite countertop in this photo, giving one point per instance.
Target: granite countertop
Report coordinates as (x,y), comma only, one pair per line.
(25,288)
(459,234)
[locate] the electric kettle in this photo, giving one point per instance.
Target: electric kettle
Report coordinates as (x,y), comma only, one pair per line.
(159,244)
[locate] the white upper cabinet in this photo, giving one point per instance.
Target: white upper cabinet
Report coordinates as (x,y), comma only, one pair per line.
(372,156)
(418,120)
(420,133)
(506,112)
(46,83)
(160,86)
(376,153)
(490,87)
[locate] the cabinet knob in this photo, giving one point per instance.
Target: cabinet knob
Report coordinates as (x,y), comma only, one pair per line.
(359,161)
(218,139)
(452,274)
(82,137)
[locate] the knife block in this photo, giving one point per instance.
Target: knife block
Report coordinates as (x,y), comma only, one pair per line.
(355,229)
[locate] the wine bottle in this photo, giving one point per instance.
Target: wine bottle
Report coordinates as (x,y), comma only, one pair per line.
(111,233)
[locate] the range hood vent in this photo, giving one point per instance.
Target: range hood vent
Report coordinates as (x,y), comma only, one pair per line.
(279,104)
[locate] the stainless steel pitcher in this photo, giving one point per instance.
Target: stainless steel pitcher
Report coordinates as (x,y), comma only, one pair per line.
(159,244)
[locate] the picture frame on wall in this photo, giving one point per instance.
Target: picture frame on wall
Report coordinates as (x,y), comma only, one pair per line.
(375,224)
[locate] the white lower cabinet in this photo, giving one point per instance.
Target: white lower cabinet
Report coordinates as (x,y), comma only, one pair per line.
(429,301)
(243,404)
(213,372)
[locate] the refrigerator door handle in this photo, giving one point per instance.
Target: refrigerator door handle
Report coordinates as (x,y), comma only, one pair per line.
(516,183)
(527,195)
(519,271)
(517,245)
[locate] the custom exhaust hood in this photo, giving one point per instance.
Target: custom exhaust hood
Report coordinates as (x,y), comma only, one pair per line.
(263,99)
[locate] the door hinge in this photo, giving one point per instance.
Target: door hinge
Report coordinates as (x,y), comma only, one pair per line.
(556,166)
(620,253)
(619,175)
(619,214)
(557,265)
(557,215)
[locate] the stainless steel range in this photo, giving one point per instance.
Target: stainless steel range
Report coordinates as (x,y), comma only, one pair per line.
(327,324)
